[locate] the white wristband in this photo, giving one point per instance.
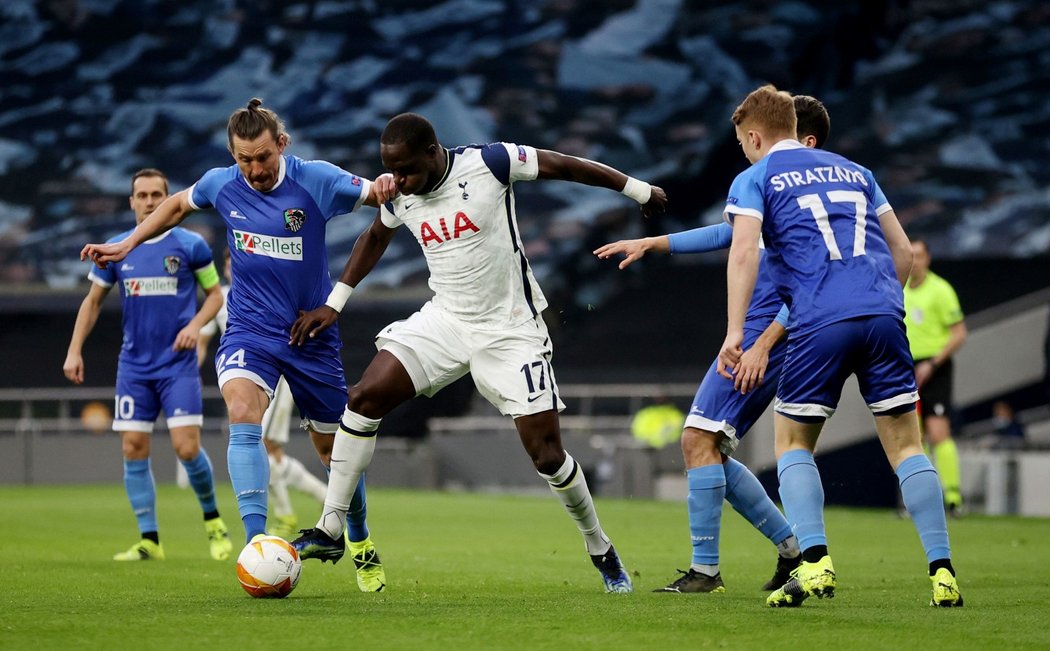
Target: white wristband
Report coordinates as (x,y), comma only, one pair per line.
(640,191)
(337,299)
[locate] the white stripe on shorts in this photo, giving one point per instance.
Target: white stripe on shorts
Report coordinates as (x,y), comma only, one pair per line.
(810,409)
(895,401)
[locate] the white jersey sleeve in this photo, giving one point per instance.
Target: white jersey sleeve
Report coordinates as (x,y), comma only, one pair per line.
(524,163)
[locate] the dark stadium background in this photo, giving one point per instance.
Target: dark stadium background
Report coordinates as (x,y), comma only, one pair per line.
(948,102)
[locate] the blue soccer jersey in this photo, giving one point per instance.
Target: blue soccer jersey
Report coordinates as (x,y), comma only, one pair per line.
(277,240)
(826,251)
(158,286)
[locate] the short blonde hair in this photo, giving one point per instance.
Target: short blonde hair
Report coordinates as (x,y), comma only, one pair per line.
(768,109)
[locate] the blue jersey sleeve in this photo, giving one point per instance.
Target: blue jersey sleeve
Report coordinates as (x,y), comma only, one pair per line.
(335,190)
(105,277)
(702,240)
(782,315)
(108,276)
(204,191)
(198,251)
(745,195)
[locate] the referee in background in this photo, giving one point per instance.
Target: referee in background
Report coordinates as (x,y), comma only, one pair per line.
(935,332)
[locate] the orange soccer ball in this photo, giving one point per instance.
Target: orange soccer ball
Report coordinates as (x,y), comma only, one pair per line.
(268,567)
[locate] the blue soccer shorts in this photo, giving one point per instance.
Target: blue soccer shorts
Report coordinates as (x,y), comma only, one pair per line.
(138,402)
(314,373)
(718,407)
(875,349)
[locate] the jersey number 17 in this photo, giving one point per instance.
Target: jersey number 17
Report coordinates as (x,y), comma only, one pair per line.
(814,204)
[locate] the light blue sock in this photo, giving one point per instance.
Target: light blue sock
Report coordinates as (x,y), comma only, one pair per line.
(138,482)
(745,494)
(921,489)
(199,472)
(707,489)
(356,528)
(250,475)
(803,497)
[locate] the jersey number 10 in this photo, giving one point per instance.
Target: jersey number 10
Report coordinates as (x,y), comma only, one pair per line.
(814,204)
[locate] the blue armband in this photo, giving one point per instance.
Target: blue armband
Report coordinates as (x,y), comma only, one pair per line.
(782,315)
(702,240)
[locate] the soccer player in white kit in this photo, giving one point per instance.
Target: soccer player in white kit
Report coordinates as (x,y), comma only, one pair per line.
(485,317)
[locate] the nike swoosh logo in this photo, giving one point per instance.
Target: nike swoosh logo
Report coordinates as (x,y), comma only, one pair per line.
(534,398)
(337,461)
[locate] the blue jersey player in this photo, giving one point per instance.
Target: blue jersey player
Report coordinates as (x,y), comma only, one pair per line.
(276,208)
(720,414)
(839,258)
(157,368)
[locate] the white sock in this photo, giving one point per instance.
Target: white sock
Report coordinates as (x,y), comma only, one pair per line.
(355,442)
(708,570)
(301,479)
(788,547)
(569,484)
(280,502)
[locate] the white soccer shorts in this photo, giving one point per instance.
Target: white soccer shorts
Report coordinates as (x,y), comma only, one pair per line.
(511,367)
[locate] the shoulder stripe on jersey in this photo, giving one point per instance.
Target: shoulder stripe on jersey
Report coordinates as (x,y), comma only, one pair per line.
(498,161)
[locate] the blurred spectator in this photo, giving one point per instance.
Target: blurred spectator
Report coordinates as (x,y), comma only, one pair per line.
(1009,433)
(659,423)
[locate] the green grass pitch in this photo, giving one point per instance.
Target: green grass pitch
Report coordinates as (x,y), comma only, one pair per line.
(472,571)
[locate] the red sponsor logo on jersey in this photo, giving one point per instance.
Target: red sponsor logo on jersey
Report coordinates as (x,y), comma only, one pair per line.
(440,233)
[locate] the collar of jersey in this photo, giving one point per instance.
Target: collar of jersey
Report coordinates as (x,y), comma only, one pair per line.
(784,145)
(159,237)
(281,169)
(449,156)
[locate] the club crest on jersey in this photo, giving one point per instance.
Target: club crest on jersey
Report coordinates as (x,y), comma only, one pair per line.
(463,187)
(171,264)
(439,233)
(521,154)
(294,218)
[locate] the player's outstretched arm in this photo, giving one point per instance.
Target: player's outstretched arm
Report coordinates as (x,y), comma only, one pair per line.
(167,215)
(900,245)
(696,240)
(633,250)
(368,249)
(87,315)
(554,165)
